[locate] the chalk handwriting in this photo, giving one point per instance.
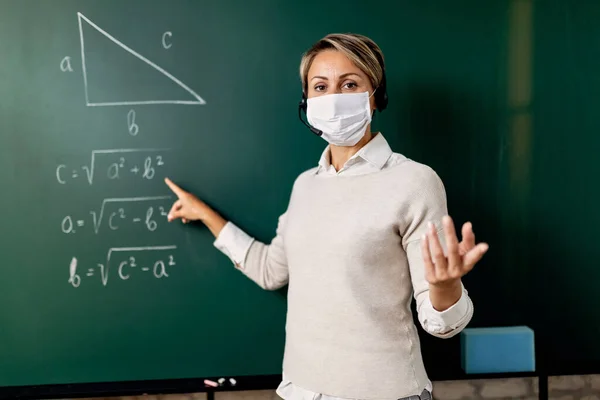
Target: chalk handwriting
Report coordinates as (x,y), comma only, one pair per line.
(114,218)
(74,279)
(158,269)
(129,265)
(65,65)
(130,165)
(114,171)
(164,40)
(131,125)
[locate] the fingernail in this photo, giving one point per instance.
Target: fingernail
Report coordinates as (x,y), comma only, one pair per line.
(431,226)
(485,247)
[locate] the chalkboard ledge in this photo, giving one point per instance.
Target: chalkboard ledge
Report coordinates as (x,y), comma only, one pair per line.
(173,386)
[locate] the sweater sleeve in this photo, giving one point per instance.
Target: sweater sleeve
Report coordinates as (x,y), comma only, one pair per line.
(265,264)
(429,204)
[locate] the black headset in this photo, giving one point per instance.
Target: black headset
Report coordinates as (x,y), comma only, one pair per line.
(381,101)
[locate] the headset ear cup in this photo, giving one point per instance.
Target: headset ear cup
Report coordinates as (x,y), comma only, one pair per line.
(303,105)
(382,100)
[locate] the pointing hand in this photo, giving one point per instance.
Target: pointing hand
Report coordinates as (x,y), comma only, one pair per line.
(187,207)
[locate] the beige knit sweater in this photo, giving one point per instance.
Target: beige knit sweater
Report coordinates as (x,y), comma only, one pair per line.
(349,249)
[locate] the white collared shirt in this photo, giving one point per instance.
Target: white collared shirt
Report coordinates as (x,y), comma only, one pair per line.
(373,157)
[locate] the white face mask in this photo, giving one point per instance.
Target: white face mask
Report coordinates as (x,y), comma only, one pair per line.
(343,118)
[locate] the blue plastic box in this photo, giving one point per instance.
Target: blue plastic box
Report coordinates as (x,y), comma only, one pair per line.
(497,350)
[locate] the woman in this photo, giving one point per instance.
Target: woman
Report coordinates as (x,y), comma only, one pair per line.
(358,239)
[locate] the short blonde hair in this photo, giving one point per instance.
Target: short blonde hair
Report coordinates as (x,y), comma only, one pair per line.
(361,50)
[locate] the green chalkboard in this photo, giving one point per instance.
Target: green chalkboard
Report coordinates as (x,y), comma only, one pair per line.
(100,100)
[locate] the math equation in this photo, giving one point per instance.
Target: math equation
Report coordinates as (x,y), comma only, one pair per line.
(119,215)
(126,264)
(116,164)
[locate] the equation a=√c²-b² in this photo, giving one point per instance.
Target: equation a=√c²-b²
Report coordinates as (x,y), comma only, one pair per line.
(144,168)
(129,266)
(70,225)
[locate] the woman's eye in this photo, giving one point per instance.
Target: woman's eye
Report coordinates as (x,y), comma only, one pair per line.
(320,88)
(350,85)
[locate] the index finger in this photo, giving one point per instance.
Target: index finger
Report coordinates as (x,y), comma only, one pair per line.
(176,189)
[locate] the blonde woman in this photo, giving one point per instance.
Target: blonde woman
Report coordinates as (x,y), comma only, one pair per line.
(364,231)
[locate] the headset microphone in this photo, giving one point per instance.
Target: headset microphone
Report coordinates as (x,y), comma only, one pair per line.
(302,106)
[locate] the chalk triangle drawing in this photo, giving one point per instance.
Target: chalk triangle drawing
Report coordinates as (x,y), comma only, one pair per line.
(192,97)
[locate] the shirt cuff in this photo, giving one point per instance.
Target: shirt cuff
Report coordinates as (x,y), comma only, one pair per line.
(441,322)
(234,243)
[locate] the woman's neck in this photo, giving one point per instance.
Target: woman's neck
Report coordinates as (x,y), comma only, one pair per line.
(339,155)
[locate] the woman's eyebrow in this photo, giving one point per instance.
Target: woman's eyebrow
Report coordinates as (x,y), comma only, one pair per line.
(342,76)
(347,74)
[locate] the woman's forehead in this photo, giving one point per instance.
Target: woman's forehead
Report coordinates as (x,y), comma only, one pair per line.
(332,63)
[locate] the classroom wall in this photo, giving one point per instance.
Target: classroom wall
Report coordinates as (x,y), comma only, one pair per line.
(572,387)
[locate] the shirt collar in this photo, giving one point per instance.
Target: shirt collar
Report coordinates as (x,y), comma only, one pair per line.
(325,160)
(377,152)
